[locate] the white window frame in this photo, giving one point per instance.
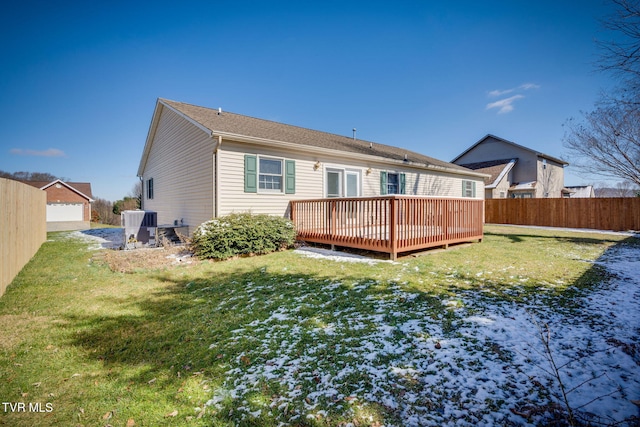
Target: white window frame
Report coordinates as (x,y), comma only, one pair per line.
(342,182)
(397,174)
(282,175)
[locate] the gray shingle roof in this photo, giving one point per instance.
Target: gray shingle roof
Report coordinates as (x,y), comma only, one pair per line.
(82,187)
(265,129)
(493,168)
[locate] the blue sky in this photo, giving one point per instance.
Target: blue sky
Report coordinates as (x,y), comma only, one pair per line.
(79,80)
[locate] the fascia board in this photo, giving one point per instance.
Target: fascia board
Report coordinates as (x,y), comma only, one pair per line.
(160,105)
(290,146)
(58,181)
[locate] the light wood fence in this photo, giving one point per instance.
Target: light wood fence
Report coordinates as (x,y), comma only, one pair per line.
(23,227)
(617,214)
(390,224)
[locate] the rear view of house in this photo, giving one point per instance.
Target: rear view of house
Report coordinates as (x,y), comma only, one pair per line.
(200,163)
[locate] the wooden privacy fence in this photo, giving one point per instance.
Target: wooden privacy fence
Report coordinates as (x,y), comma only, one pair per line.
(23,227)
(390,224)
(617,214)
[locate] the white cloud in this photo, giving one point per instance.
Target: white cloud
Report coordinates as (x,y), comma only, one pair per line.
(51,152)
(527,86)
(522,87)
(504,105)
(498,92)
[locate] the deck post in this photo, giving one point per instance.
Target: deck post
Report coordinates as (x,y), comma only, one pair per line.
(393,220)
(332,226)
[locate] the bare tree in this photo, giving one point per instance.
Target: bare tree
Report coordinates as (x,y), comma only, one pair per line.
(621,53)
(606,141)
(31,176)
(103,210)
(136,193)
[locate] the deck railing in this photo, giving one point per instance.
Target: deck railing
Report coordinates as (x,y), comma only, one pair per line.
(390,224)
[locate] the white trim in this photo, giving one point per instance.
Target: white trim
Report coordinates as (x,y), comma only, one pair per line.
(505,171)
(155,121)
(187,118)
(343,171)
(59,181)
(282,175)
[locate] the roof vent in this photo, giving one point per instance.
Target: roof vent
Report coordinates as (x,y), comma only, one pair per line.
(219,111)
(405,158)
(371,145)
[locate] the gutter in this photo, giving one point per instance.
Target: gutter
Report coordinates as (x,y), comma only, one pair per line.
(339,153)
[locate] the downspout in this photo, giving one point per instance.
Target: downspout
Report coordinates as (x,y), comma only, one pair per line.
(216,178)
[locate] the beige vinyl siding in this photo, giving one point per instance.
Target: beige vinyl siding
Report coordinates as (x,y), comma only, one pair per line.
(310,182)
(550,179)
(423,183)
(231,180)
(181,163)
(503,187)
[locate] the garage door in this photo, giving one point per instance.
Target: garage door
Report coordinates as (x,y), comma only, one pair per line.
(64,212)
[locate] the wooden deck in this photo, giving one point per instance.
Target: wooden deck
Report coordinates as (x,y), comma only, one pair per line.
(390,224)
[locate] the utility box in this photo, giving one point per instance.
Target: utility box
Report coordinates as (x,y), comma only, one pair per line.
(140,228)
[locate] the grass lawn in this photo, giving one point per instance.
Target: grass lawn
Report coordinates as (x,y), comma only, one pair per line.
(285,339)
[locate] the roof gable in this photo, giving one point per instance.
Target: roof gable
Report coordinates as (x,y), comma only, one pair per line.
(495,169)
(228,124)
(490,136)
(81,188)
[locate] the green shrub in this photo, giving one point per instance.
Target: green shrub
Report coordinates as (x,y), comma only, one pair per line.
(242,234)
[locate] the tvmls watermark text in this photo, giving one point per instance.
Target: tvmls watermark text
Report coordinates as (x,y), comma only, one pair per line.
(38,407)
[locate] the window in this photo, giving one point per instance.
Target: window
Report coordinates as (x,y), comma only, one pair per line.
(468,188)
(522,195)
(342,183)
(334,183)
(270,174)
(392,183)
(352,184)
(150,188)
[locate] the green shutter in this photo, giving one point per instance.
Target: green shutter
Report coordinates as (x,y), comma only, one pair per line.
(464,188)
(290,176)
(250,174)
(403,182)
(383,183)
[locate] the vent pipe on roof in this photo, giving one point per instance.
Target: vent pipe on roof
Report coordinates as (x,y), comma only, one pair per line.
(354,134)
(219,111)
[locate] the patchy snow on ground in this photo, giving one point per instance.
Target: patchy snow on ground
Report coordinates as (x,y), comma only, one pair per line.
(100,238)
(326,254)
(497,369)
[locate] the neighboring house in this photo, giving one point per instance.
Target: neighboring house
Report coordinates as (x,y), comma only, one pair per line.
(579,192)
(514,170)
(200,163)
(68,204)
